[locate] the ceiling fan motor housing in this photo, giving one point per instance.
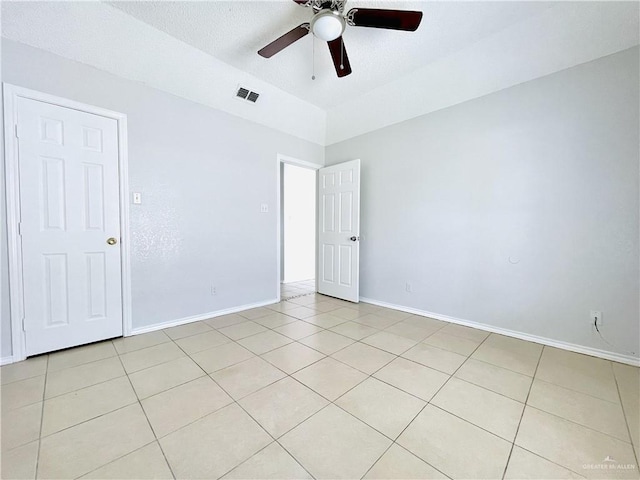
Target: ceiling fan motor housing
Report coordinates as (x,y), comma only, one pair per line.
(327,24)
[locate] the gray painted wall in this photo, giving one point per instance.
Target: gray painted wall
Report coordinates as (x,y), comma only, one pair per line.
(545,173)
(203,175)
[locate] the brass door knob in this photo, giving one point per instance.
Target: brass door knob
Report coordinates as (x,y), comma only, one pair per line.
(112,241)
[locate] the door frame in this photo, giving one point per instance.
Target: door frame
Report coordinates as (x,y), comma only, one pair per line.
(281,160)
(11,94)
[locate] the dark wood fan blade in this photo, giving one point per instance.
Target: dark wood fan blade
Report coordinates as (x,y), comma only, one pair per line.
(392,19)
(284,41)
(339,56)
(301,2)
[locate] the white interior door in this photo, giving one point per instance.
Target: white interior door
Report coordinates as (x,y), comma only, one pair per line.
(69,226)
(339,230)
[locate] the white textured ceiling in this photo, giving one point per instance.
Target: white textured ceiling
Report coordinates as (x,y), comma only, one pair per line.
(234,31)
(202,50)
(569,34)
(106,38)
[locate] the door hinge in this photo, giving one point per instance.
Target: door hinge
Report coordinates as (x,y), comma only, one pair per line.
(19,229)
(23,327)
(16,131)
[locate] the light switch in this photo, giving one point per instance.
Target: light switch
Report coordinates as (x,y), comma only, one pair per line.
(264,208)
(137,198)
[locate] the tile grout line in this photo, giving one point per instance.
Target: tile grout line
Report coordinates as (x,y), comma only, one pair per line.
(297,340)
(624,414)
(298,381)
(92,418)
(147,419)
(552,461)
(325,356)
(291,375)
(394,441)
(261,450)
(174,386)
(329,403)
(117,354)
(580,392)
(274,439)
(86,421)
(234,401)
(44,390)
(498,367)
(100,416)
(87,347)
(503,367)
(450,375)
(434,395)
(526,400)
(375,371)
(254,321)
(86,386)
(168,339)
(31,377)
(540,380)
(467,421)
(579,424)
(254,355)
(492,391)
(120,457)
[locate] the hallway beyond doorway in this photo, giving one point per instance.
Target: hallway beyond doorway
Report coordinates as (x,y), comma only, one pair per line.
(297,289)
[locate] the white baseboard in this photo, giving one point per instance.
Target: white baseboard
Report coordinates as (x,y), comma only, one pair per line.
(572,347)
(180,321)
(199,317)
(6,360)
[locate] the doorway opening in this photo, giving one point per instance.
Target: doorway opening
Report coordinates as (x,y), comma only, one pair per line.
(298,230)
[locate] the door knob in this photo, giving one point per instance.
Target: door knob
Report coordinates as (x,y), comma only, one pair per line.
(112,241)
(354,239)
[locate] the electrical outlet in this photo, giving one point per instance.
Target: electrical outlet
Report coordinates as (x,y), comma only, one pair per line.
(407,287)
(264,208)
(213,290)
(596,317)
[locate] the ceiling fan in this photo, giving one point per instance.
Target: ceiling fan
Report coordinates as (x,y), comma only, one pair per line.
(329,22)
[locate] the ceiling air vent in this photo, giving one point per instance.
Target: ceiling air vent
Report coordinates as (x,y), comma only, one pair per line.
(246,94)
(242,93)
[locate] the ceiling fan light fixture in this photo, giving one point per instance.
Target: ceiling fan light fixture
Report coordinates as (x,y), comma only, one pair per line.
(327,25)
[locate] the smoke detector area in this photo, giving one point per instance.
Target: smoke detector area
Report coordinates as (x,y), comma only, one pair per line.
(244,93)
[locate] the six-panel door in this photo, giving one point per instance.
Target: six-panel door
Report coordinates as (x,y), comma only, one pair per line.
(69,208)
(339,230)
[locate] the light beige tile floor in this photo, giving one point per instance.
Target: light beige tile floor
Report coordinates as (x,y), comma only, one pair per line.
(315,387)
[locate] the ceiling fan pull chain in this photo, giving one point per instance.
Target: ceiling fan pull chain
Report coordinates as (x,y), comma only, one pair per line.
(313,58)
(341,53)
